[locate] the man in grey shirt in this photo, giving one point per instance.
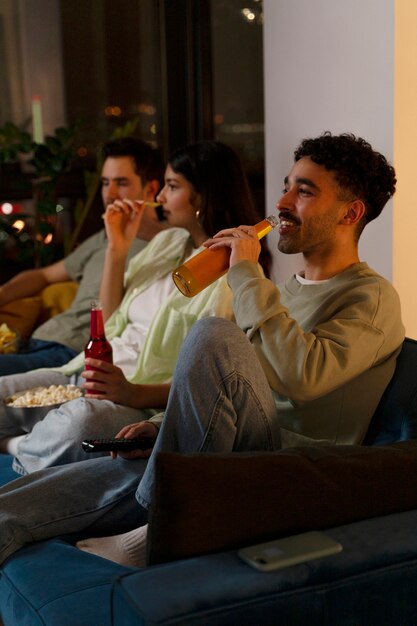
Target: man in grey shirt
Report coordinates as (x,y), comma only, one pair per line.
(131,170)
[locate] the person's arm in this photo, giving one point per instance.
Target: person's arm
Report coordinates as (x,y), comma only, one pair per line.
(345,332)
(122,221)
(30,282)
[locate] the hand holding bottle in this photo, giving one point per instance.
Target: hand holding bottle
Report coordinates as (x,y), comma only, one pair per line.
(243,244)
(105,380)
(226,248)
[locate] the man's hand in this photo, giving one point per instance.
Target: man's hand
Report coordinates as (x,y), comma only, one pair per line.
(145,429)
(243,243)
(107,381)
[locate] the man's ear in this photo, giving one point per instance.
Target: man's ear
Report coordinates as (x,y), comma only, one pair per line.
(151,189)
(354,212)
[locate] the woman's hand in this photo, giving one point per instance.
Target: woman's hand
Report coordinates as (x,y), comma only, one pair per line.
(243,243)
(122,220)
(107,381)
(139,429)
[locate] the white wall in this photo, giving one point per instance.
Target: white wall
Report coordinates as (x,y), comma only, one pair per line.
(328,66)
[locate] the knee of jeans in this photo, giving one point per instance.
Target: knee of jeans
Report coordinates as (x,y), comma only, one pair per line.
(80,415)
(210,331)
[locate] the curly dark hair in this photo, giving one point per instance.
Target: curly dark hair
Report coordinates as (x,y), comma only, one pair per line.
(360,171)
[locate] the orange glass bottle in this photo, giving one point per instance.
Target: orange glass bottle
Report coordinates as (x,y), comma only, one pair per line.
(207,266)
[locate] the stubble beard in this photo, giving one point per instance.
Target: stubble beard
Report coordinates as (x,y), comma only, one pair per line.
(288,245)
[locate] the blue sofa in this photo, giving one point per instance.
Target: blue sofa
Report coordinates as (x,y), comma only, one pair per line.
(207,506)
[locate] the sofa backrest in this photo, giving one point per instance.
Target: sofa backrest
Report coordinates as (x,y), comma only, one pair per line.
(395,418)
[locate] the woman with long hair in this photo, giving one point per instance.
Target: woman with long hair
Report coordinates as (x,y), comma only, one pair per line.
(147,317)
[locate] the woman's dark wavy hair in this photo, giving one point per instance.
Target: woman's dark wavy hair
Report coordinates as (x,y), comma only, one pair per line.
(361,172)
(216,173)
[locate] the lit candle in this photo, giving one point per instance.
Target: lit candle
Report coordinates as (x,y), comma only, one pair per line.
(37,120)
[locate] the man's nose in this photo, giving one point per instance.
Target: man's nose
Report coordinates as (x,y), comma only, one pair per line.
(286,201)
(111,192)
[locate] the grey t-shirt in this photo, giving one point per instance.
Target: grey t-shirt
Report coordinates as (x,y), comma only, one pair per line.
(84,265)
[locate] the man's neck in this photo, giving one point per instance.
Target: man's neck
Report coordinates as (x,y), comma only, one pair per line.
(329,268)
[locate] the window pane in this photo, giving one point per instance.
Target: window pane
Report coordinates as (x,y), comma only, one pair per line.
(111,65)
(237,56)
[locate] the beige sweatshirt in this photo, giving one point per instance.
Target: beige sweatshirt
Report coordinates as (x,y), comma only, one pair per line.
(328,350)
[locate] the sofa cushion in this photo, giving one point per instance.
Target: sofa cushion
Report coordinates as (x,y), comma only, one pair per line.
(372,582)
(21,315)
(212,502)
(56,298)
(53,583)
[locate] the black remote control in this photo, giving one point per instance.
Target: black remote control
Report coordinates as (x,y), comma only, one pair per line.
(117,445)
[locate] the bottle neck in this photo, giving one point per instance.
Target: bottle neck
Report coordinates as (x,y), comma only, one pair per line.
(96,323)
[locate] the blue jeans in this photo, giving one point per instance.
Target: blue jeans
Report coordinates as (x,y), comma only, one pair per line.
(34,354)
(220,401)
(97,494)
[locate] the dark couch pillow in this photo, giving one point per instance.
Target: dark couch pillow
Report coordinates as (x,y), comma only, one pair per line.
(207,503)
(395,418)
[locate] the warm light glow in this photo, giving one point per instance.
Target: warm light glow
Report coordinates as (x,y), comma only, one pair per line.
(18,225)
(48,238)
(248,14)
(153,129)
(112,111)
(147,109)
(82,152)
(7,208)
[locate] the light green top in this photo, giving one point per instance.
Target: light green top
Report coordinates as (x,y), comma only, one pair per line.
(176,316)
(328,349)
(85,266)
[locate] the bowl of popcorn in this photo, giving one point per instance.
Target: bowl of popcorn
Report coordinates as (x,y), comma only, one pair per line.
(38,401)
(9,339)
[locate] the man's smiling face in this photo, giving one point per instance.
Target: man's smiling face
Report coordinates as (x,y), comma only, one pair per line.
(309,210)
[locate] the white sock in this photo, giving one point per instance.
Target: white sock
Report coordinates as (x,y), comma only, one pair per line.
(126,549)
(10,444)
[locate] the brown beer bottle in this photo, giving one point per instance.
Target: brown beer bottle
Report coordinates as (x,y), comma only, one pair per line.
(207,266)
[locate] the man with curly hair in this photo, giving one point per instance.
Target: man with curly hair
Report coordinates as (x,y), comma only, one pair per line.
(306,362)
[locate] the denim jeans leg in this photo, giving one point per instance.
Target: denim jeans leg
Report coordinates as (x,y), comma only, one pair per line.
(91,498)
(34,355)
(220,399)
(57,438)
